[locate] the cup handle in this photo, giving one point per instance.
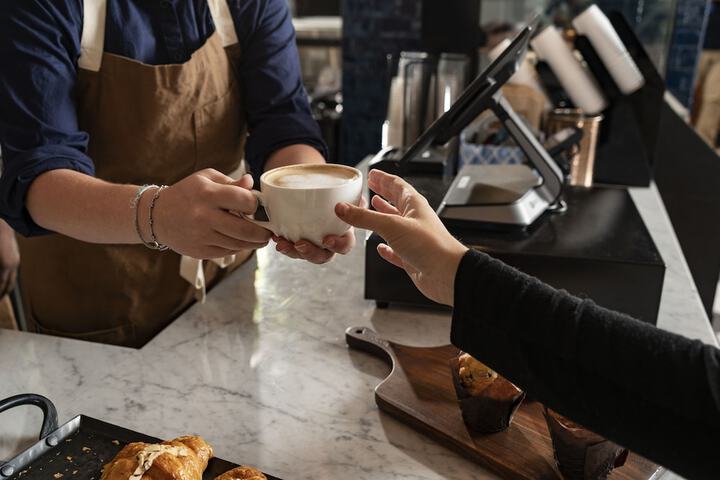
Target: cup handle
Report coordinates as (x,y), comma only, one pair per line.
(260,201)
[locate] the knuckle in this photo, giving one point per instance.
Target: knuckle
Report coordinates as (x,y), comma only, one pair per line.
(247,203)
(196,214)
(205,188)
(199,177)
(397,183)
(325,258)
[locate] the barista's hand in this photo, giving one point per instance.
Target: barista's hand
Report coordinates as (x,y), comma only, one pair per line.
(305,250)
(194,217)
(9,259)
(417,241)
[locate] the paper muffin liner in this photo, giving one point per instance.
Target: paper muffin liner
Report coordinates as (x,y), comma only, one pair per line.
(493,408)
(581,454)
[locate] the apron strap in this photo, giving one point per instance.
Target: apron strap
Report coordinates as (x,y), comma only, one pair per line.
(92,42)
(224,24)
(191,269)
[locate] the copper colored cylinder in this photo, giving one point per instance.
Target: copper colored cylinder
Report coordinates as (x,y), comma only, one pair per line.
(582,158)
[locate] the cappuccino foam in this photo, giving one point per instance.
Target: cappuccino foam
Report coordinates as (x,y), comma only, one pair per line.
(311,179)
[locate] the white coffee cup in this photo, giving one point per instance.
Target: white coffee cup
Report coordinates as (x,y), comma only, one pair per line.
(300,200)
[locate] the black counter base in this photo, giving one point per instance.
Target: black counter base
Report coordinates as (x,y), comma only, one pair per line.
(598,249)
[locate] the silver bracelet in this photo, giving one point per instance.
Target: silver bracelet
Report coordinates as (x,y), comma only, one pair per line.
(134,205)
(154,244)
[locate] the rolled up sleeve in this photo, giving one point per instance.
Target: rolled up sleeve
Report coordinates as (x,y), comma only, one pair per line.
(39,47)
(275,101)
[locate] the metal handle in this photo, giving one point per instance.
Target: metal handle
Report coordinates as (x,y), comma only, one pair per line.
(50,418)
(260,203)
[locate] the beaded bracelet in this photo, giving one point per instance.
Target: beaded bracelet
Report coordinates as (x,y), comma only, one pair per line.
(134,205)
(154,244)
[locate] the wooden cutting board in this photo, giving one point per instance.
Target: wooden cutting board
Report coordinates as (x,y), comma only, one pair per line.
(419,391)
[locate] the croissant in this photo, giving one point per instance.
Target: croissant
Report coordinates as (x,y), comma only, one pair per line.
(242,473)
(184,458)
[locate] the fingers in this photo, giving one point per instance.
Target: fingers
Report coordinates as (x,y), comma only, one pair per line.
(4,282)
(389,255)
(303,250)
(13,279)
(342,244)
(399,193)
(229,194)
(286,247)
(230,243)
(382,206)
(215,176)
(215,252)
(246,182)
(389,186)
(313,253)
(364,218)
(235,198)
(234,226)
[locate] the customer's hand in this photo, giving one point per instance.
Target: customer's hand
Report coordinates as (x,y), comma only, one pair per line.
(417,241)
(9,259)
(332,244)
(196,216)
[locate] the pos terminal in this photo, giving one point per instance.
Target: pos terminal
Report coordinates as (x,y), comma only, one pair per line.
(589,241)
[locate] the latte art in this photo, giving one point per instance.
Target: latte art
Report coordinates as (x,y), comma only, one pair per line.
(311,179)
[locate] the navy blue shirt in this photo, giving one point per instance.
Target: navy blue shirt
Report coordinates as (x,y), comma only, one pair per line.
(39,49)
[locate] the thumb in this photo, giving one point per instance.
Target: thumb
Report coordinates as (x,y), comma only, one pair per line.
(364,218)
(246,182)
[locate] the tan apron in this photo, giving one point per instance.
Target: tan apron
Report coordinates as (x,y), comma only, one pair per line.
(147,124)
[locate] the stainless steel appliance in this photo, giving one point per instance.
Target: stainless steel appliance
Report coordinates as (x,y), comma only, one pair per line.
(422,89)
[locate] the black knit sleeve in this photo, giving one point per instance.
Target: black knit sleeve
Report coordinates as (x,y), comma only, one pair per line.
(652,391)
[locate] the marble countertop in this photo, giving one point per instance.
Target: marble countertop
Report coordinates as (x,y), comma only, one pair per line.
(262,370)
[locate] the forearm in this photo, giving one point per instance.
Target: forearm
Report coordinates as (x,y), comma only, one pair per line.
(293,155)
(6,232)
(624,379)
(86,208)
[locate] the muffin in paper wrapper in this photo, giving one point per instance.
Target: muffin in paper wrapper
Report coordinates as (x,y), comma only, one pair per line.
(489,406)
(581,454)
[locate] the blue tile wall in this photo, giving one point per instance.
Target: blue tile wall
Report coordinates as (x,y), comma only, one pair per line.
(687,39)
(688,32)
(371,30)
